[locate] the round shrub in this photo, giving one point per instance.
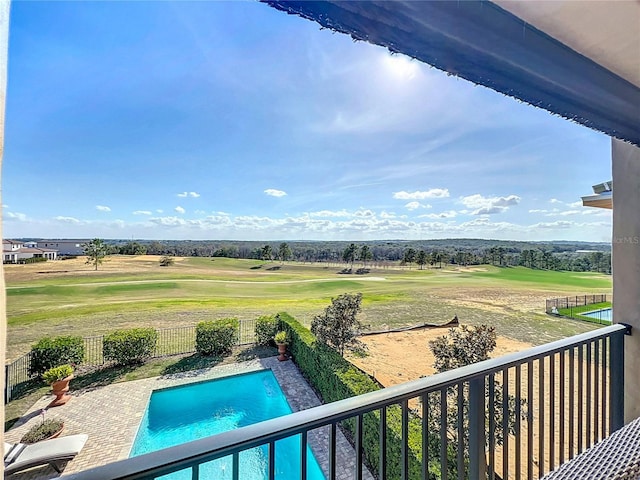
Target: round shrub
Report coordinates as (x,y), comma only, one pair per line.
(126,347)
(51,352)
(216,337)
(266,328)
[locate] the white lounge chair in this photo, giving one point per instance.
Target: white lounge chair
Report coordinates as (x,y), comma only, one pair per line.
(55,452)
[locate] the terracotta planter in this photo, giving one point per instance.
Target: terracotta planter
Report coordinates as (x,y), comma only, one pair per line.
(282,350)
(60,389)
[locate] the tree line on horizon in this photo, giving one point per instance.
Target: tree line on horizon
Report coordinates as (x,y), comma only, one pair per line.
(381,254)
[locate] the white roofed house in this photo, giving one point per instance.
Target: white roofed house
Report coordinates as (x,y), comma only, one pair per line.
(64,246)
(18,252)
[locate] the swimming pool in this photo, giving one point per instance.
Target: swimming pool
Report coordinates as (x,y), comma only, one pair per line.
(181,414)
(605,314)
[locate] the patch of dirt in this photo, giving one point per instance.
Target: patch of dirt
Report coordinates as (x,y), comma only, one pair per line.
(398,357)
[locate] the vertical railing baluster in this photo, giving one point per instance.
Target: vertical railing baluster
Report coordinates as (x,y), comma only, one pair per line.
(588,402)
(605,392)
(358,447)
(572,374)
(477,457)
(404,445)
(597,391)
(425,436)
(505,423)
(580,397)
(561,430)
(303,456)
(272,461)
(332,452)
(530,395)
(195,472)
(443,434)
(235,467)
(460,431)
(517,427)
(541,399)
(383,443)
(492,426)
(616,382)
(552,411)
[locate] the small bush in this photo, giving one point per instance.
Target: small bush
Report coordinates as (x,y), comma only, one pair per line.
(266,328)
(167,261)
(51,352)
(56,374)
(216,337)
(126,347)
(42,431)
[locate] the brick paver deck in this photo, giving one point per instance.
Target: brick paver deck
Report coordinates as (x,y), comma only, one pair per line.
(110,415)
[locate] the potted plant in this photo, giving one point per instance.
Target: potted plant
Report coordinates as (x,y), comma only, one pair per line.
(59,378)
(281,339)
(45,430)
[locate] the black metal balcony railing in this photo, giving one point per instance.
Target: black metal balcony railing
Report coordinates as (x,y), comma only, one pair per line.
(518,416)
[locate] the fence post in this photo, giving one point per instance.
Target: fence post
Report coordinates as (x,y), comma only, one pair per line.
(7,387)
(477,458)
(616,384)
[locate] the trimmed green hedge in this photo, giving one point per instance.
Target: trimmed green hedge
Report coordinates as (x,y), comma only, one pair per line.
(335,378)
(52,352)
(126,347)
(217,337)
(266,328)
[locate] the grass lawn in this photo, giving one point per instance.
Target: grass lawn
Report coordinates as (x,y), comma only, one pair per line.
(69,297)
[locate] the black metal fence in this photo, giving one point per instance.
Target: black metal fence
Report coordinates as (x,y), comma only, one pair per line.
(572,302)
(171,341)
(578,308)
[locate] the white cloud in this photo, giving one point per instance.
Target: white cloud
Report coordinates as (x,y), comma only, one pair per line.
(411,206)
(489,205)
(330,213)
(103,208)
(143,212)
(421,195)
(555,200)
(272,192)
(435,216)
(159,210)
(188,194)
(21,217)
(575,204)
(4,205)
(179,209)
(67,220)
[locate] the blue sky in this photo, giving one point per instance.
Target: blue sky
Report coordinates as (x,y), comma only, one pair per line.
(231,120)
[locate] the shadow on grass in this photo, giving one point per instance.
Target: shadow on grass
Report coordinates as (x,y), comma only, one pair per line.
(191,363)
(101,377)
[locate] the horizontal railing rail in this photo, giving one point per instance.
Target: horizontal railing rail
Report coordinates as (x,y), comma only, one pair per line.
(171,341)
(552,420)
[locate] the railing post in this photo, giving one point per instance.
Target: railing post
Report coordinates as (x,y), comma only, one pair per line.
(477,415)
(616,384)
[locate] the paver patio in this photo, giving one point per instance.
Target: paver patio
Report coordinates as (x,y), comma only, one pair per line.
(111,414)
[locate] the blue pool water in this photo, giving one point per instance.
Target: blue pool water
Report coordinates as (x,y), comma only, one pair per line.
(189,412)
(604,314)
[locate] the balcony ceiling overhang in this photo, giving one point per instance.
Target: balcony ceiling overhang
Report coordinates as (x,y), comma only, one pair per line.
(580,60)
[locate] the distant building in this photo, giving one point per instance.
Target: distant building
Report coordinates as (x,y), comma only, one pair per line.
(15,252)
(64,246)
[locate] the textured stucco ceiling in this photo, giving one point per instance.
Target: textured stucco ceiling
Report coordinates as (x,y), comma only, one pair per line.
(608,32)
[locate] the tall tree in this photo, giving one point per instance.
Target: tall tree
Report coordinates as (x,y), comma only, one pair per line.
(365,254)
(267,253)
(284,252)
(349,254)
(409,256)
(96,251)
(338,326)
(421,259)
